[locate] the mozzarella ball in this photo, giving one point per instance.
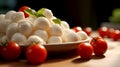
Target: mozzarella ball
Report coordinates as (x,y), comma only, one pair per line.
(55,39)
(65,25)
(18,16)
(41,33)
(82,35)
(69,36)
(3,25)
(19,38)
(48,13)
(9,14)
(11,29)
(42,23)
(2,17)
(31,18)
(56,30)
(25,27)
(34,39)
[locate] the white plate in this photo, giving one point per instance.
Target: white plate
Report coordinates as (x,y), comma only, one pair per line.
(63,47)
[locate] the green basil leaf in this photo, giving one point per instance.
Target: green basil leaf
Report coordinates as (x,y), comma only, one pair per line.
(31,12)
(57,21)
(40,15)
(41,11)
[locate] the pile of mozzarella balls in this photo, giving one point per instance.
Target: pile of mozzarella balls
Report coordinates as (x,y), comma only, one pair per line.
(26,31)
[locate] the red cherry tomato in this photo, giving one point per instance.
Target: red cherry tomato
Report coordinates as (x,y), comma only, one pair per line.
(103,31)
(88,30)
(99,45)
(110,32)
(85,50)
(11,51)
(36,54)
(116,35)
(23,8)
(77,28)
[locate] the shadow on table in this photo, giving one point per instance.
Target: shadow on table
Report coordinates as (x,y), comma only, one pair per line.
(61,56)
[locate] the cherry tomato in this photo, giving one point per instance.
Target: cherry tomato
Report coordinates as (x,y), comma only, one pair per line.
(88,30)
(11,51)
(116,35)
(77,28)
(85,50)
(103,31)
(111,32)
(99,45)
(36,54)
(23,8)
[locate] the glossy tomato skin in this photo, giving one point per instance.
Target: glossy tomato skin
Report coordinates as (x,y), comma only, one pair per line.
(11,51)
(36,54)
(103,31)
(88,30)
(99,45)
(77,28)
(85,50)
(22,9)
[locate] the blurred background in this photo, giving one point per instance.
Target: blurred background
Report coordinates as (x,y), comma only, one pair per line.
(76,12)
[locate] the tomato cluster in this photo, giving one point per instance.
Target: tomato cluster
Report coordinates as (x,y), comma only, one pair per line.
(35,54)
(87,30)
(112,33)
(97,45)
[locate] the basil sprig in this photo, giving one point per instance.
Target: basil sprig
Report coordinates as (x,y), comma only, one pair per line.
(32,12)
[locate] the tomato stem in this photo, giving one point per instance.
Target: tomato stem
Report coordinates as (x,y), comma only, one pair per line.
(4,43)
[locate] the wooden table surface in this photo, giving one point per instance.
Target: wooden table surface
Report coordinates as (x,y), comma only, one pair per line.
(110,59)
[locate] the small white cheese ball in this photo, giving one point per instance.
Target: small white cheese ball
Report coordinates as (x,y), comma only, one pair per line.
(17,16)
(25,27)
(3,25)
(48,13)
(11,29)
(56,30)
(9,14)
(42,23)
(19,39)
(65,25)
(54,40)
(69,36)
(41,33)
(2,17)
(31,18)
(34,39)
(82,35)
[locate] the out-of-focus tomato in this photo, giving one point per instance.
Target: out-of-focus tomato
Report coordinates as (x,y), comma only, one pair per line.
(99,45)
(85,50)
(103,31)
(116,35)
(36,54)
(77,28)
(10,51)
(23,8)
(111,32)
(88,30)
